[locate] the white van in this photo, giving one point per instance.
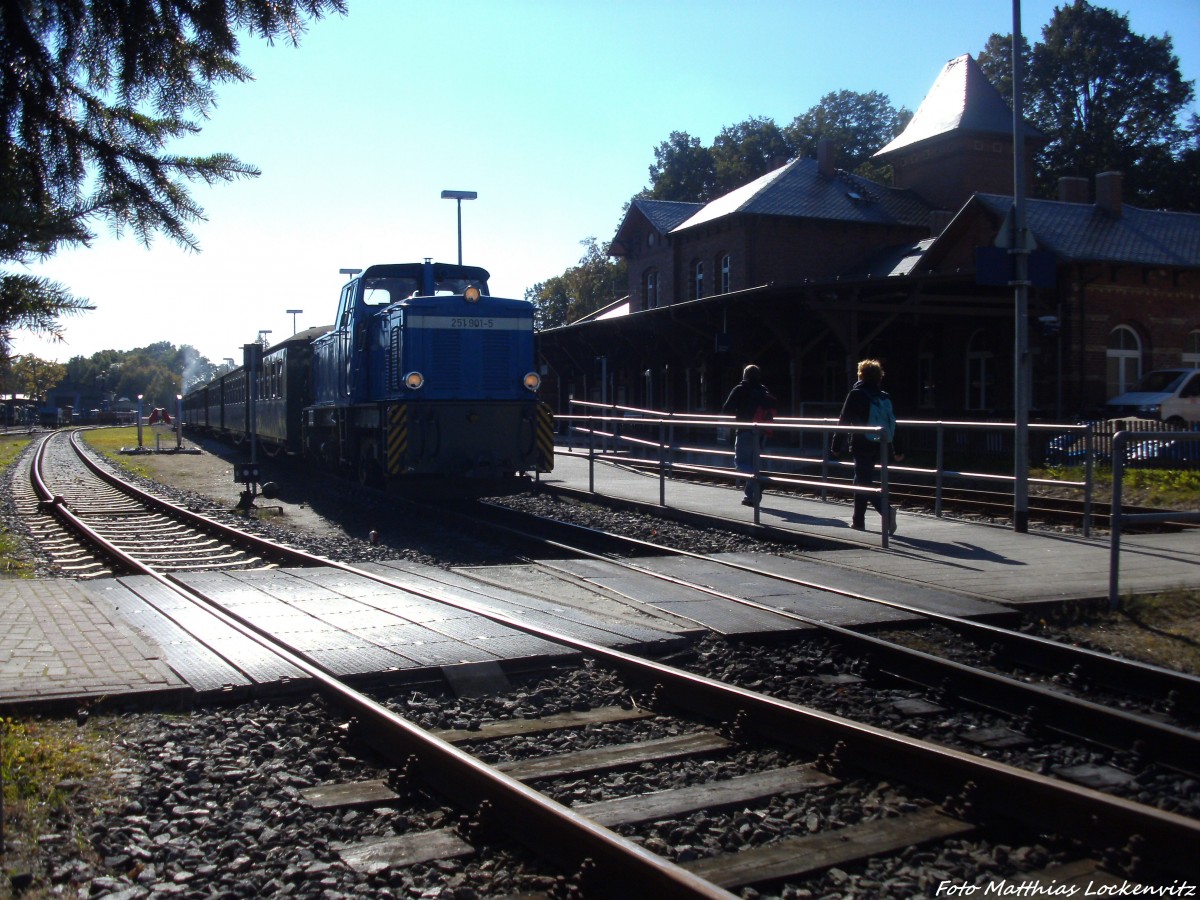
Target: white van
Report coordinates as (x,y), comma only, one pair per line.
(1172,395)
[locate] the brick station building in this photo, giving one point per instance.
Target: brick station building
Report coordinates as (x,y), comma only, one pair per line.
(810,268)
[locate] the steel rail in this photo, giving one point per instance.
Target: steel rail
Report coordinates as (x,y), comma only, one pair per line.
(1180,689)
(1172,746)
(1103,822)
(614,865)
(1164,840)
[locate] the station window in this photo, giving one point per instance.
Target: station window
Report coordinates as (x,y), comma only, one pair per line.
(698,278)
(1124,360)
(724,269)
(1191,350)
(650,289)
(926,387)
(980,374)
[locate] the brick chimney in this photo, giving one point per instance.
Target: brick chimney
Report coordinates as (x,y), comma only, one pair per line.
(1072,189)
(1108,193)
(825,155)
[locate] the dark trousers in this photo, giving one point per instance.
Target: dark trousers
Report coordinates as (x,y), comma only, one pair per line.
(864,476)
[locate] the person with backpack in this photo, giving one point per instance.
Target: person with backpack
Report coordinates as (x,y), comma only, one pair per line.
(750,401)
(868,404)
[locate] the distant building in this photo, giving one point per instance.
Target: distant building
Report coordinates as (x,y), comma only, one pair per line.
(809,268)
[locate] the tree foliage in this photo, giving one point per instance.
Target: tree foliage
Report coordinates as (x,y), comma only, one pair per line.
(591,285)
(746,151)
(683,170)
(1108,99)
(92,92)
(158,372)
(33,376)
(857,124)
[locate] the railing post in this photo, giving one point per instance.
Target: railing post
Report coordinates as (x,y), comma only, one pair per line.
(1089,454)
(1114,531)
(938,481)
(825,444)
(886,507)
(662,464)
(591,456)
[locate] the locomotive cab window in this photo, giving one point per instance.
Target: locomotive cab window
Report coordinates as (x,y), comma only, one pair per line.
(454,286)
(384,291)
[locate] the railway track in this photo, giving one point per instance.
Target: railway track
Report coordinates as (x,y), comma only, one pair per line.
(93,523)
(954,793)
(1081,693)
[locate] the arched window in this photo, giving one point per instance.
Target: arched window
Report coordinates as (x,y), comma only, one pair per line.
(1124,356)
(724,269)
(650,288)
(1191,349)
(981,374)
(698,279)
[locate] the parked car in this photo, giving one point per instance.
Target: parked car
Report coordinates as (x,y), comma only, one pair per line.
(1172,395)
(1169,454)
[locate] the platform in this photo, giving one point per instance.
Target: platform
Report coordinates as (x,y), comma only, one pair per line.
(989,562)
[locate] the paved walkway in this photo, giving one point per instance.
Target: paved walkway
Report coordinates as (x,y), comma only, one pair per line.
(984,561)
(59,643)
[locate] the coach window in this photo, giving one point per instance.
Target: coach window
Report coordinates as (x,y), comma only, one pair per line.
(651,289)
(1191,350)
(1124,360)
(698,278)
(724,269)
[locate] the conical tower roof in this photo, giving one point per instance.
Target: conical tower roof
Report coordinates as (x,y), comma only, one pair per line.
(961,100)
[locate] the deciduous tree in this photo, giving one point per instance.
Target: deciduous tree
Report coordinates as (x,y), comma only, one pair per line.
(683,170)
(746,151)
(1107,98)
(591,285)
(858,125)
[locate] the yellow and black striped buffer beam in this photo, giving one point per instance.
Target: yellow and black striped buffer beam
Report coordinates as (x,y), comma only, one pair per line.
(545,438)
(397,438)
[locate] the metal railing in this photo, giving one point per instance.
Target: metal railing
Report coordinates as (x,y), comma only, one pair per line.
(1121,440)
(620,432)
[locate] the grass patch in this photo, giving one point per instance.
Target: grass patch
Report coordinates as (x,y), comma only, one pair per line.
(55,779)
(13,559)
(109,442)
(1163,488)
(1162,628)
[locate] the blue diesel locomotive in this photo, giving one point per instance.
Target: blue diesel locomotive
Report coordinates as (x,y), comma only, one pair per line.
(423,373)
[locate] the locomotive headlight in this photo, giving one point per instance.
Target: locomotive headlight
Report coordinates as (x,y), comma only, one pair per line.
(471,294)
(533,381)
(414,380)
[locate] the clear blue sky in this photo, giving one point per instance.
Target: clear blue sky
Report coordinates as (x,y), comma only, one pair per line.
(550,109)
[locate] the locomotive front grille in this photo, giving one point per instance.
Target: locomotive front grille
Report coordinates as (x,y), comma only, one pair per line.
(448,352)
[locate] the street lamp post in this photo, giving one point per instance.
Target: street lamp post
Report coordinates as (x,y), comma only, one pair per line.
(459,197)
(261,332)
(293,313)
